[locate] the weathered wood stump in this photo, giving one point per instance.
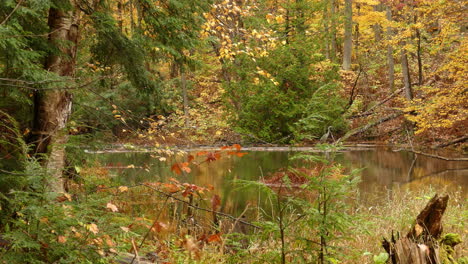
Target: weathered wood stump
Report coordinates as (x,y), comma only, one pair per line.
(420,245)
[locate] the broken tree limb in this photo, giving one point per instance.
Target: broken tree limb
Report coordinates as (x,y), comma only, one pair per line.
(455,141)
(432,155)
(371,110)
(429,221)
(367,126)
(420,245)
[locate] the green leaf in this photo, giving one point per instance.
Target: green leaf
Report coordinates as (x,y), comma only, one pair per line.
(381,258)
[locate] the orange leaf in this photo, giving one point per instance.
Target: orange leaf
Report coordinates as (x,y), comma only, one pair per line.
(172,188)
(225,147)
(176,169)
(214,238)
(237,146)
(240,154)
(61,239)
(202,153)
(186,169)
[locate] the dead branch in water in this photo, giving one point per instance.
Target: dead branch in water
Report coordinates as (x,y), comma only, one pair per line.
(455,141)
(432,155)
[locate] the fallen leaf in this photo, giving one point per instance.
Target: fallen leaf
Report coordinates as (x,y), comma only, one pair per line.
(93,228)
(123,188)
(61,239)
(112,207)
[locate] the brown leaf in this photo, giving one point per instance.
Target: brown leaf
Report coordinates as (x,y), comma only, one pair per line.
(215,202)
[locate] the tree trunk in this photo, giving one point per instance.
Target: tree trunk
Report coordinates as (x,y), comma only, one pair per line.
(333,47)
(390,60)
(183,83)
(348,35)
(406,74)
(377,28)
(53,107)
(357,34)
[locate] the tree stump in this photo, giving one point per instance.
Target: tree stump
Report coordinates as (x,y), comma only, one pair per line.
(420,245)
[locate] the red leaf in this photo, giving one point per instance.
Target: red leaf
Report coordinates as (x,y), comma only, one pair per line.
(212,156)
(190,158)
(215,202)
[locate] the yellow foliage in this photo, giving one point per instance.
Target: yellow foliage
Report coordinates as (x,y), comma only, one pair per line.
(445,105)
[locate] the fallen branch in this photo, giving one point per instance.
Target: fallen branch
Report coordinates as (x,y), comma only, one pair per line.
(455,141)
(352,96)
(432,155)
(367,126)
(370,110)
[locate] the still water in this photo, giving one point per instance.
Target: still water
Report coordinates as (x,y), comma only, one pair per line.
(382,170)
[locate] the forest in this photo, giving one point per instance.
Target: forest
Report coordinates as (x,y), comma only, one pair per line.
(233,131)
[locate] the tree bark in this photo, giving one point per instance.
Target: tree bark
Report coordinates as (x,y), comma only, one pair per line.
(348,35)
(183,83)
(53,107)
(406,74)
(333,47)
(390,60)
(419,246)
(377,28)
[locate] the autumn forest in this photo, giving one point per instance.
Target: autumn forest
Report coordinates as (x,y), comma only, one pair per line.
(233,131)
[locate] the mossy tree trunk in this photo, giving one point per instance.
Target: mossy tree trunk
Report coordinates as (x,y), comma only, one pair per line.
(53,106)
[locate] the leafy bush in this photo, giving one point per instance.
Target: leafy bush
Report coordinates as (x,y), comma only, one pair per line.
(290,94)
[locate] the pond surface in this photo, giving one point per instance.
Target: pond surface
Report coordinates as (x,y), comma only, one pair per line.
(383,170)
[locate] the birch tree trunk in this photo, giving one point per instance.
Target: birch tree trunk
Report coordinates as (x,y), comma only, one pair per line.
(53,107)
(348,35)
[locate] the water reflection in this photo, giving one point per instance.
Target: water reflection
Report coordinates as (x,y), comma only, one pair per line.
(382,170)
